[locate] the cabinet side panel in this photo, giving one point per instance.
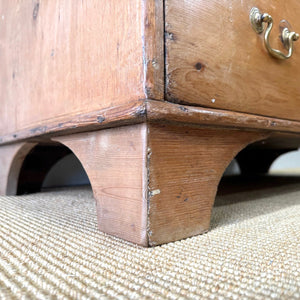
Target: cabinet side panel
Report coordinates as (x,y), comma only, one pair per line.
(63,58)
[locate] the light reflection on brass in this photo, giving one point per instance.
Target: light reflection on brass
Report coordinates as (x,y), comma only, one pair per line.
(258,19)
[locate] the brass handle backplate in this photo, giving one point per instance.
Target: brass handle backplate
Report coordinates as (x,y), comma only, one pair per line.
(258,19)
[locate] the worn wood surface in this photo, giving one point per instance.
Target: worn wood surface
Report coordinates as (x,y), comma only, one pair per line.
(159,111)
(115,162)
(60,59)
(185,166)
(215,59)
(129,113)
(185,114)
(282,134)
(153,45)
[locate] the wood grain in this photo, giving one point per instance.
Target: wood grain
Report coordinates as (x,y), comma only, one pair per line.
(60,59)
(185,167)
(115,162)
(215,59)
(156,111)
(129,113)
(153,45)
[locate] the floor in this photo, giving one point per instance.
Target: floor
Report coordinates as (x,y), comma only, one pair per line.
(50,248)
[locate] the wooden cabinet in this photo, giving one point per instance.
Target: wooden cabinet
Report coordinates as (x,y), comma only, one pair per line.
(65,58)
(215,59)
(155,98)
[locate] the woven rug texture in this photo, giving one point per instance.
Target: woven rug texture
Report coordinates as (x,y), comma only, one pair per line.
(50,248)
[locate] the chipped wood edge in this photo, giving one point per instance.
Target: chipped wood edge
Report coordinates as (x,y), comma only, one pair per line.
(153,49)
(185,165)
(131,113)
(146,110)
(167,112)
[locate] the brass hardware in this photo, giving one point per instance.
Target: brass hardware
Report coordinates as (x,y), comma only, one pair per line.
(258,19)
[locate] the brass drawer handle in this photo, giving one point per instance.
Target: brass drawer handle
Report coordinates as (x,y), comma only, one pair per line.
(287,37)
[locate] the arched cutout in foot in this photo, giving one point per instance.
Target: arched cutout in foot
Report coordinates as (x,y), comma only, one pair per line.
(277,170)
(37,172)
(258,161)
(155,183)
(67,172)
(245,197)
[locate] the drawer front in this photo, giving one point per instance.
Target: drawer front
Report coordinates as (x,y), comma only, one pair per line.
(214,58)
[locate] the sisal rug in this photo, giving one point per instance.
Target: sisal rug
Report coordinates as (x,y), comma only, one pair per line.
(50,248)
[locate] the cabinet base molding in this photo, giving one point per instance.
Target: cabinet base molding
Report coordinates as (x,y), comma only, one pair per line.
(153,183)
